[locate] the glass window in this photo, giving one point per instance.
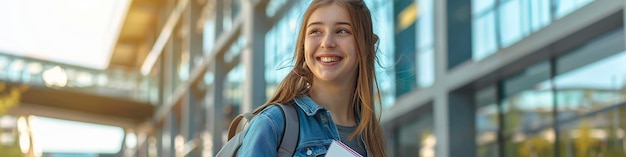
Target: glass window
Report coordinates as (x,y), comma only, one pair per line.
(483,29)
(426,67)
(584,83)
(417,136)
(501,23)
(183,67)
(510,22)
(425,46)
(527,108)
(279,51)
(590,90)
(425,24)
(487,122)
(382,12)
(564,7)
(539,11)
(4,66)
(233,87)
(208,36)
(484,36)
(480,6)
(599,134)
(406,43)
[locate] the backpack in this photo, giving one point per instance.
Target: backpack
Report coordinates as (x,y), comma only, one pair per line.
(290,134)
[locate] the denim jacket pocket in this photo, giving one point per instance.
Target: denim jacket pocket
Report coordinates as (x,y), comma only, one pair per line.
(313,149)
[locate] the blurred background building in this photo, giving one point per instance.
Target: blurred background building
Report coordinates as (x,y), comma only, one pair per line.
(159,78)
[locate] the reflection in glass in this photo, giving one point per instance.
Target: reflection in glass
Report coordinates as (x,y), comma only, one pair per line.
(501,23)
(483,29)
(539,14)
(528,116)
(4,62)
(479,6)
(416,137)
(592,87)
(564,7)
(208,36)
(383,13)
(280,46)
(233,87)
(483,36)
(510,22)
(425,46)
(600,134)
(590,98)
(487,123)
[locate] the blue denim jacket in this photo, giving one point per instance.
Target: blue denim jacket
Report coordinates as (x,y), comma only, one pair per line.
(317,131)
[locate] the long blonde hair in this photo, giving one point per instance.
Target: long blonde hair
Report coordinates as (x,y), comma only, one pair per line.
(297,82)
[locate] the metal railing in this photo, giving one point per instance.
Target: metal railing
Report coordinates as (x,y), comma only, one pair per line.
(112,82)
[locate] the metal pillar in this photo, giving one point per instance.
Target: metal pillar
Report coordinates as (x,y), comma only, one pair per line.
(193,45)
(440,108)
(213,99)
(253,55)
(219,17)
(215,114)
(167,137)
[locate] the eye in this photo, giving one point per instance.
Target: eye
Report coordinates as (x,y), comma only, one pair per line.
(315,31)
(343,31)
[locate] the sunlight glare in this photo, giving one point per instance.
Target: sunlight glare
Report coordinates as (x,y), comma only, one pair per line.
(61,136)
(77,32)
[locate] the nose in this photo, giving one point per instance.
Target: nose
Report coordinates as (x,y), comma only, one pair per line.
(328,41)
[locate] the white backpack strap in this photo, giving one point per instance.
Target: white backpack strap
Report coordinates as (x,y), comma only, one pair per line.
(292,130)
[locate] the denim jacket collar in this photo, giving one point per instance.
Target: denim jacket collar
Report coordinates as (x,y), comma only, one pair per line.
(308,105)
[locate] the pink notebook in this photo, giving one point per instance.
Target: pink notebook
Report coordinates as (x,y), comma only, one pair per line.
(337,148)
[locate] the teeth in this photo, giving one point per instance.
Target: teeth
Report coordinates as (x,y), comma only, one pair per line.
(329,59)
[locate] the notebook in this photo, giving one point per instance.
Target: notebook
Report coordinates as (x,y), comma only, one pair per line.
(337,148)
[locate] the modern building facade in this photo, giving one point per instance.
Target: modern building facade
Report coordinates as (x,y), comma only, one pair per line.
(509,78)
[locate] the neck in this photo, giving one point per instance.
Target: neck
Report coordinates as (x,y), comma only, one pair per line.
(337,98)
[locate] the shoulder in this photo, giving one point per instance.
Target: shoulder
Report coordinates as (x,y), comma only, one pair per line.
(270,119)
(263,133)
(272,112)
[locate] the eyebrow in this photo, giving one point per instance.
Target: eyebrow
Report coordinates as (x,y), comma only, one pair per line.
(320,23)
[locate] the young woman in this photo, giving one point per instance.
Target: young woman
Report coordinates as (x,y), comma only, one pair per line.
(332,85)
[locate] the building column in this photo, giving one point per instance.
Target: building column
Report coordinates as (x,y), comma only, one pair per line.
(194,46)
(253,55)
(441,127)
(215,107)
(190,119)
(165,144)
(211,132)
(440,101)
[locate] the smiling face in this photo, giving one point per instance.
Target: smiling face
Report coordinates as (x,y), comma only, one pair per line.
(329,45)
